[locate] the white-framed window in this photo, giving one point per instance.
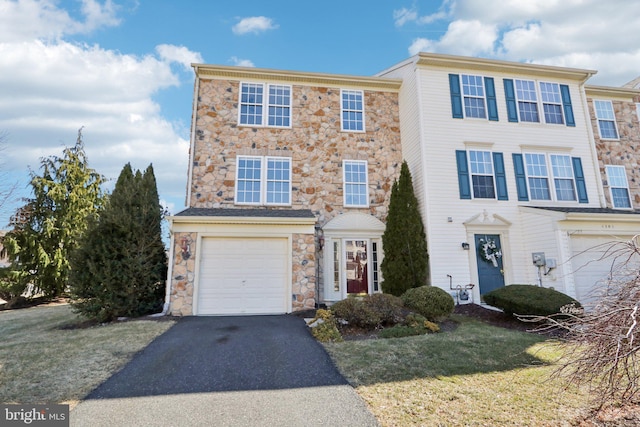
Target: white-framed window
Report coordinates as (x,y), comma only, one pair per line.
(482,178)
(356,183)
(538,165)
(272,110)
(618,186)
(527,100)
(638,110)
(263,181)
(563,177)
(551,103)
(537,176)
(474,96)
(606,119)
(352,110)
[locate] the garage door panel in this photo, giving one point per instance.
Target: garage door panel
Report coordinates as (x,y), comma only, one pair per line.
(243,276)
(593,262)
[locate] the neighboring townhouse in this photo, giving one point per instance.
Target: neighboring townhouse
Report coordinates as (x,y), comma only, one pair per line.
(288,187)
(505,170)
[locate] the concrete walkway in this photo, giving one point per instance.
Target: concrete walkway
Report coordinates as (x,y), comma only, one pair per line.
(227,371)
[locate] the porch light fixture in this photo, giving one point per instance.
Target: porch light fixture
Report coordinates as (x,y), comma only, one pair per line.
(185,247)
(465,246)
(321,242)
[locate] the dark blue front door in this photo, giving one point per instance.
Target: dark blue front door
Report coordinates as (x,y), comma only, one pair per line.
(489,259)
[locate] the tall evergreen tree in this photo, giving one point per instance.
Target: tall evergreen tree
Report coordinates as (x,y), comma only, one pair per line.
(406,262)
(120,267)
(47,229)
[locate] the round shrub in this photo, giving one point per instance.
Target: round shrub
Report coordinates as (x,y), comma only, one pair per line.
(356,312)
(430,301)
(387,307)
(529,300)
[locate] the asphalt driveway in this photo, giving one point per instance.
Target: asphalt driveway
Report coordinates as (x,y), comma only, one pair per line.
(227,371)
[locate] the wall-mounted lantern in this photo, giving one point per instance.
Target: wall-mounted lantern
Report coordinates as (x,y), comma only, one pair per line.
(465,246)
(185,247)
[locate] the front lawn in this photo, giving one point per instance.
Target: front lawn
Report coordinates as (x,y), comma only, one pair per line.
(46,358)
(477,375)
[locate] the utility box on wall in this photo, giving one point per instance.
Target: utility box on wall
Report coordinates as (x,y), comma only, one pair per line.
(538,259)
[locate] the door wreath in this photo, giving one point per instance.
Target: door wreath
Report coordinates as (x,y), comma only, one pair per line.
(489,252)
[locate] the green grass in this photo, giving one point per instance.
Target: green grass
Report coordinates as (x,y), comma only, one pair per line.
(474,376)
(44,359)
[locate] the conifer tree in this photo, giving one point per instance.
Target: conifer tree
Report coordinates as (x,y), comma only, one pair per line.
(47,228)
(120,266)
(406,262)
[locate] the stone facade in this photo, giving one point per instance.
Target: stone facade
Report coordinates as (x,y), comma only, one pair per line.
(316,146)
(315,143)
(624,151)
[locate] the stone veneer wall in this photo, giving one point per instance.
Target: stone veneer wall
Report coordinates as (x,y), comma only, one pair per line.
(623,152)
(182,276)
(317,147)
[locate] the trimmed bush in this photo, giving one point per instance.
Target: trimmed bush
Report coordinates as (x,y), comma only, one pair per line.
(429,301)
(327,328)
(529,300)
(419,321)
(356,312)
(388,307)
(370,311)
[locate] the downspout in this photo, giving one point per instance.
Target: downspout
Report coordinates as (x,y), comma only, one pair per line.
(192,142)
(592,145)
(167,296)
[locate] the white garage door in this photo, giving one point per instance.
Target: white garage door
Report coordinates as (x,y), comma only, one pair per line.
(243,276)
(592,263)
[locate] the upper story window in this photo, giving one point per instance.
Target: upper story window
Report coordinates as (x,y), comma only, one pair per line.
(527,101)
(473,97)
(551,102)
(481,175)
(606,119)
(473,92)
(481,166)
(356,183)
(263,180)
(256,109)
(537,169)
(352,110)
(618,186)
(524,99)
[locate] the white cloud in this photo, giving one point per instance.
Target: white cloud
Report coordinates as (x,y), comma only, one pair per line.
(52,87)
(242,62)
(580,33)
(404,15)
(179,54)
(254,24)
(24,20)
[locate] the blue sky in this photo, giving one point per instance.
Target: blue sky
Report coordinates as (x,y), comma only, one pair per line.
(121,68)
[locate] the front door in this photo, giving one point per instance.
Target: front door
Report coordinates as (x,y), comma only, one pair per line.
(356,267)
(489,260)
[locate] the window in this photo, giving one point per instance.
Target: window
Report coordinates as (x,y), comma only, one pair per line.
(352,110)
(618,186)
(263,180)
(638,110)
(473,91)
(527,100)
(551,103)
(606,119)
(538,177)
(254,105)
(482,175)
(563,177)
(355,183)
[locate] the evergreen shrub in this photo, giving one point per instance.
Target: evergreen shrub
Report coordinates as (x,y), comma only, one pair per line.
(432,302)
(529,300)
